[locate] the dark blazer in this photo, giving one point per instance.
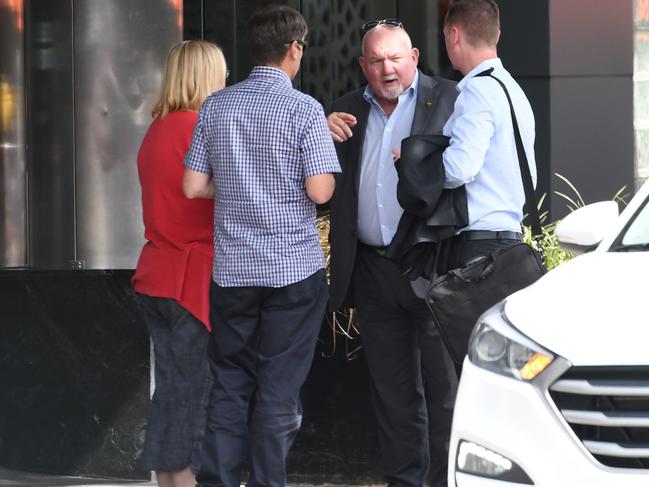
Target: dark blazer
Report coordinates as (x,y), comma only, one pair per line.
(431,214)
(435,101)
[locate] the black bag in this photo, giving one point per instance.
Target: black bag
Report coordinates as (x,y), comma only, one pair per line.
(458,298)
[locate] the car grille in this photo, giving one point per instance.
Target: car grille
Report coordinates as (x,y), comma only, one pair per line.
(608,409)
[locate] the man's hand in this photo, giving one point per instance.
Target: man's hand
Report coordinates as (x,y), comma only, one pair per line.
(340,125)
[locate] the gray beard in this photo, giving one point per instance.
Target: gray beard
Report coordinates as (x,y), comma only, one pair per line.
(391,94)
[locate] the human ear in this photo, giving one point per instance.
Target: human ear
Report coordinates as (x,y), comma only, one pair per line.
(363,63)
(415,55)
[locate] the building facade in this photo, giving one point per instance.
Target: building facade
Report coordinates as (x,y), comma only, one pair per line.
(77,81)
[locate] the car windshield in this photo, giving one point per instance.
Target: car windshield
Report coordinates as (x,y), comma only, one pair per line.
(635,237)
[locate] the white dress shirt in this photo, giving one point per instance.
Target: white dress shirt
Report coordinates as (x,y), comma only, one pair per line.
(482,152)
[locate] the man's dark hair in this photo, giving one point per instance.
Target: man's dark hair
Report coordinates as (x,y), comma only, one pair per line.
(272,29)
(480,20)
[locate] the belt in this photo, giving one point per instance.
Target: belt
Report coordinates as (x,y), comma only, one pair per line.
(378,250)
(489,235)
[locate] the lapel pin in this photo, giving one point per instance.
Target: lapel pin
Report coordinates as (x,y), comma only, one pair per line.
(429,103)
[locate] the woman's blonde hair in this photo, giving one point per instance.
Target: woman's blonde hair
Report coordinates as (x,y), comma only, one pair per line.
(193,70)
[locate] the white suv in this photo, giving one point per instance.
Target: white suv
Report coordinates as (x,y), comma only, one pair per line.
(555,388)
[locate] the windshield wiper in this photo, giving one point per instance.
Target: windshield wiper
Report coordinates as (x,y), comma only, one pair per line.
(630,248)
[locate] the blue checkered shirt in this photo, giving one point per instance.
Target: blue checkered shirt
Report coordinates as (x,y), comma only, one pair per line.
(259,140)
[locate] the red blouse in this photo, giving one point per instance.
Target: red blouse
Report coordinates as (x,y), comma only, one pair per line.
(176,261)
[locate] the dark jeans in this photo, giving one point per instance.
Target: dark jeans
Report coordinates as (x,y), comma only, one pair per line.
(177,414)
(399,340)
(262,346)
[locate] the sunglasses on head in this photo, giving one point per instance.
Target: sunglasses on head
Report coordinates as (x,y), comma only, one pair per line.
(368,26)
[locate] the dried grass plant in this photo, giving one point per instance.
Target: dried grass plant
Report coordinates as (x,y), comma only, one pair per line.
(342,323)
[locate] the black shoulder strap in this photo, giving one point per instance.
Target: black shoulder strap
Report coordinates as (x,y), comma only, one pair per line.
(526,176)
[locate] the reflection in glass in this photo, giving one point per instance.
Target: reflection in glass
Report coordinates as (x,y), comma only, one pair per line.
(13,224)
(117,79)
(641,89)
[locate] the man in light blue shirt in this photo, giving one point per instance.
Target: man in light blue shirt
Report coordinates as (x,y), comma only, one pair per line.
(482,152)
(378,209)
(399,337)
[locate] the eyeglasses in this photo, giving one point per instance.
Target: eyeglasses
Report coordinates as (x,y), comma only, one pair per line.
(301,43)
(368,26)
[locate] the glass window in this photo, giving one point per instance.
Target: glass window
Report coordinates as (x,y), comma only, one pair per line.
(637,232)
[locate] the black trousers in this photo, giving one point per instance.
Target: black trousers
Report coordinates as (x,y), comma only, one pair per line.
(461,251)
(262,346)
(399,340)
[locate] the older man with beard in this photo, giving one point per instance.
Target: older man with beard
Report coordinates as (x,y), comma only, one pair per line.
(397,330)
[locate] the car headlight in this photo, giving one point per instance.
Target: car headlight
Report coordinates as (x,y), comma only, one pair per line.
(475,459)
(497,346)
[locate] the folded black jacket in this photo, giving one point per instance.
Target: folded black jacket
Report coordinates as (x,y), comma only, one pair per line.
(431,214)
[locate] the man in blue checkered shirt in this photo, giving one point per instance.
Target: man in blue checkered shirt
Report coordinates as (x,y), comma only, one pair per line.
(264,151)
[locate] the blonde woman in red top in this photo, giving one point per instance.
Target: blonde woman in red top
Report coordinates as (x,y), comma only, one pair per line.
(174,270)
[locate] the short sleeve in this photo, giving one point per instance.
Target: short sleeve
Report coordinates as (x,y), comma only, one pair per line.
(197,158)
(317,147)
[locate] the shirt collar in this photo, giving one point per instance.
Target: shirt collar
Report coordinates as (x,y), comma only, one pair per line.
(483,66)
(270,72)
(368,94)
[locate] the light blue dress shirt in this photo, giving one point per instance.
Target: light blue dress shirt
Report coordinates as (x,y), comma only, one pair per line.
(482,152)
(378,209)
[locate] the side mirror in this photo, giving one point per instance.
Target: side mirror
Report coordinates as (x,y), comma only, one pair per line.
(583,229)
